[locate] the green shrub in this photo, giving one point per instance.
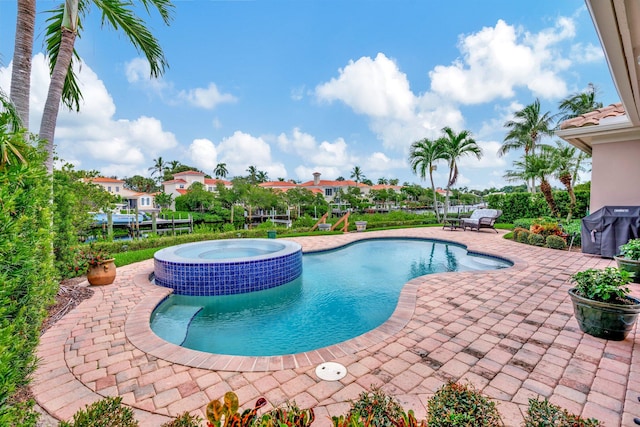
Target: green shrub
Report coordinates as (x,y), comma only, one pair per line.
(517,231)
(527,205)
(523,223)
(376,407)
(27,284)
(461,405)
(536,239)
(523,236)
(541,413)
(555,242)
(108,412)
(289,415)
(184,420)
(573,228)
(606,285)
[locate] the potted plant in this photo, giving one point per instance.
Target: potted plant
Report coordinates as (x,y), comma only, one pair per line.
(602,304)
(629,259)
(101,269)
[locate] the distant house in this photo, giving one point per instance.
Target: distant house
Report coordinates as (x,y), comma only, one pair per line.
(279,185)
(612,134)
(181,182)
(330,189)
(144,202)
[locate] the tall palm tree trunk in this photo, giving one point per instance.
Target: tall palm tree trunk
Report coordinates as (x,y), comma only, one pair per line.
(433,190)
(23,49)
(566,180)
(52,105)
(545,188)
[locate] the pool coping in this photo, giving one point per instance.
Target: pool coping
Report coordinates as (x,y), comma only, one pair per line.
(138,324)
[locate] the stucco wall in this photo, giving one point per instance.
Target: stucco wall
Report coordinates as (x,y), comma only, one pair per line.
(615,176)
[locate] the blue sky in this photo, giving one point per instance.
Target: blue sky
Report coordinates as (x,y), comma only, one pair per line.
(295,87)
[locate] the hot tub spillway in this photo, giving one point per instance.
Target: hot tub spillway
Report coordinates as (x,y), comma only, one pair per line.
(227,267)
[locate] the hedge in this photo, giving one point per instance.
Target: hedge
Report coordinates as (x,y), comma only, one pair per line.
(26,275)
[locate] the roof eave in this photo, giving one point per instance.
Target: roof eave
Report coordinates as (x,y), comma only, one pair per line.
(615,22)
(585,137)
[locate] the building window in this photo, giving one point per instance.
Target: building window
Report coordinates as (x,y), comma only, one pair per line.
(117,189)
(328,192)
(181,186)
(109,189)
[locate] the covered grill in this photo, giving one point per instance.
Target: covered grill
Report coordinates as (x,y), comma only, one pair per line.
(605,230)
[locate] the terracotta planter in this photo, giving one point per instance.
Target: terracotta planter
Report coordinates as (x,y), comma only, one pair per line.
(630,265)
(102,274)
(604,320)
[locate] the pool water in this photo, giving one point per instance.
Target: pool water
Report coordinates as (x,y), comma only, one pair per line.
(341,294)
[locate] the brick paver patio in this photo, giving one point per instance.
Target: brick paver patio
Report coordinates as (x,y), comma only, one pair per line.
(510,332)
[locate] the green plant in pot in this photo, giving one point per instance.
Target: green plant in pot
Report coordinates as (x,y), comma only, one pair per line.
(101,269)
(602,304)
(629,259)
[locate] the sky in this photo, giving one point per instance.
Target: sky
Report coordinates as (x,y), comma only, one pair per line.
(294,87)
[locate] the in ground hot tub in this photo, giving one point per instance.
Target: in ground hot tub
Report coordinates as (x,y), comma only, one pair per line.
(227,267)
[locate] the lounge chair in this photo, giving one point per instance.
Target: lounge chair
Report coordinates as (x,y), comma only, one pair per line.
(481,218)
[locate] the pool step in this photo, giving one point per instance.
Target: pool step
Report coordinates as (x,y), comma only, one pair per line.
(173,323)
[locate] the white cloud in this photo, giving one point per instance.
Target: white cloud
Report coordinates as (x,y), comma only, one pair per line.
(138,72)
(207,98)
(93,138)
(583,54)
(498,59)
(241,150)
(489,158)
(297,93)
(300,143)
(203,154)
(374,87)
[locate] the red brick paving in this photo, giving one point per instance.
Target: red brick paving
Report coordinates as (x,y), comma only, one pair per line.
(509,332)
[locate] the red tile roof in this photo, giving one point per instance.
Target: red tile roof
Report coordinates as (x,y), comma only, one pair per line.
(278,184)
(327,183)
(593,118)
(106,180)
(188,173)
(214,181)
(175,181)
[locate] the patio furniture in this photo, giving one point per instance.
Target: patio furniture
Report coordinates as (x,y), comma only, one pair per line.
(452,223)
(481,218)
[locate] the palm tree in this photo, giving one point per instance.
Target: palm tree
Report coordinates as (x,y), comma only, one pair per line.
(456,145)
(159,166)
(357,174)
(253,174)
(526,131)
(423,156)
(564,159)
(23,49)
(534,166)
(262,176)
(383,181)
(12,142)
(173,165)
(573,106)
(220,171)
(579,103)
(63,26)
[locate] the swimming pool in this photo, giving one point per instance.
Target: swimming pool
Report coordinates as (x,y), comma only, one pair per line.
(341,294)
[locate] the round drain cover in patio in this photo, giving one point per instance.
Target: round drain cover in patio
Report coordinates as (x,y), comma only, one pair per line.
(331,371)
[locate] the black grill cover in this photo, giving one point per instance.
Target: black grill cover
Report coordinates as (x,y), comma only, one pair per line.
(605,230)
